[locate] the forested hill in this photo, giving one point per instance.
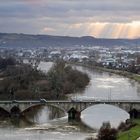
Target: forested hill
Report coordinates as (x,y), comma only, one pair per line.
(26,40)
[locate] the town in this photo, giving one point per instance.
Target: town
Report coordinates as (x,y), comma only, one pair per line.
(116,57)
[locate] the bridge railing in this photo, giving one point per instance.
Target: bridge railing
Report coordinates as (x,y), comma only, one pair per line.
(67,101)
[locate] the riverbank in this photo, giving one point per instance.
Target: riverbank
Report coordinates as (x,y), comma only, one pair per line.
(131,134)
(130,75)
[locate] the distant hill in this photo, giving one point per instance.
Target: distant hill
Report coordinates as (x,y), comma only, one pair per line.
(26,40)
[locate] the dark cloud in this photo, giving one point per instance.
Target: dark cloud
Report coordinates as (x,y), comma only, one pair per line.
(64,8)
(62,16)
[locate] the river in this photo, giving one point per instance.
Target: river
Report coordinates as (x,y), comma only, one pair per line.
(47,123)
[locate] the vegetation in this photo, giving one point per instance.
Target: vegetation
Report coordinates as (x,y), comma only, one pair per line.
(126,131)
(106,133)
(21,81)
(6,62)
(63,80)
(131,134)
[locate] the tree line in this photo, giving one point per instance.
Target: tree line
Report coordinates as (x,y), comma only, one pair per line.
(22,81)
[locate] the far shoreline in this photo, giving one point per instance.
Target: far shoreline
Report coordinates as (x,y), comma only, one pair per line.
(126,74)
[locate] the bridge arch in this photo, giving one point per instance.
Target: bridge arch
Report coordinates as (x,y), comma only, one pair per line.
(24,110)
(3,111)
(132,110)
(30,107)
(124,106)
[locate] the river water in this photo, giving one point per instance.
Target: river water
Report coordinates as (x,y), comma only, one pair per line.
(46,123)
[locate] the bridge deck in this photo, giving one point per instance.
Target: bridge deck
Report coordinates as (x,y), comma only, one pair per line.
(66,105)
(67,101)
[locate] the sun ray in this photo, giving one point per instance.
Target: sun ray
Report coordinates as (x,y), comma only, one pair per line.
(115,30)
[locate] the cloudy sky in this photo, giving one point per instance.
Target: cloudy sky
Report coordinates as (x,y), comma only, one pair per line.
(98,18)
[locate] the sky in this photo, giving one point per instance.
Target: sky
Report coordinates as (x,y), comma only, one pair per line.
(98,18)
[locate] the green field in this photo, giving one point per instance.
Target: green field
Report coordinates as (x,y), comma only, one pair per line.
(131,134)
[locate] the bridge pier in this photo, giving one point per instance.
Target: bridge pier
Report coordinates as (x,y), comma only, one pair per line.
(15,112)
(134,114)
(74,115)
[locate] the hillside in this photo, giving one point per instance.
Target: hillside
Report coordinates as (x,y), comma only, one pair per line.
(25,40)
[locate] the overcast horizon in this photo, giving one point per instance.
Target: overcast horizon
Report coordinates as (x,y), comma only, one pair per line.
(97,18)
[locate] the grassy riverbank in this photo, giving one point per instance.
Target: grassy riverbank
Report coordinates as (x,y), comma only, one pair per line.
(130,75)
(131,134)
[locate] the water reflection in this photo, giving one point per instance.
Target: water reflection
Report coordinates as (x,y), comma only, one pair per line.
(45,66)
(43,114)
(102,83)
(36,115)
(138,89)
(94,116)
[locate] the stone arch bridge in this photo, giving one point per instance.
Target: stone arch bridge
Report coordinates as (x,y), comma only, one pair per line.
(66,106)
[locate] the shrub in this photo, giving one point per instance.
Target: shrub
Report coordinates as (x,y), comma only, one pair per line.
(107,133)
